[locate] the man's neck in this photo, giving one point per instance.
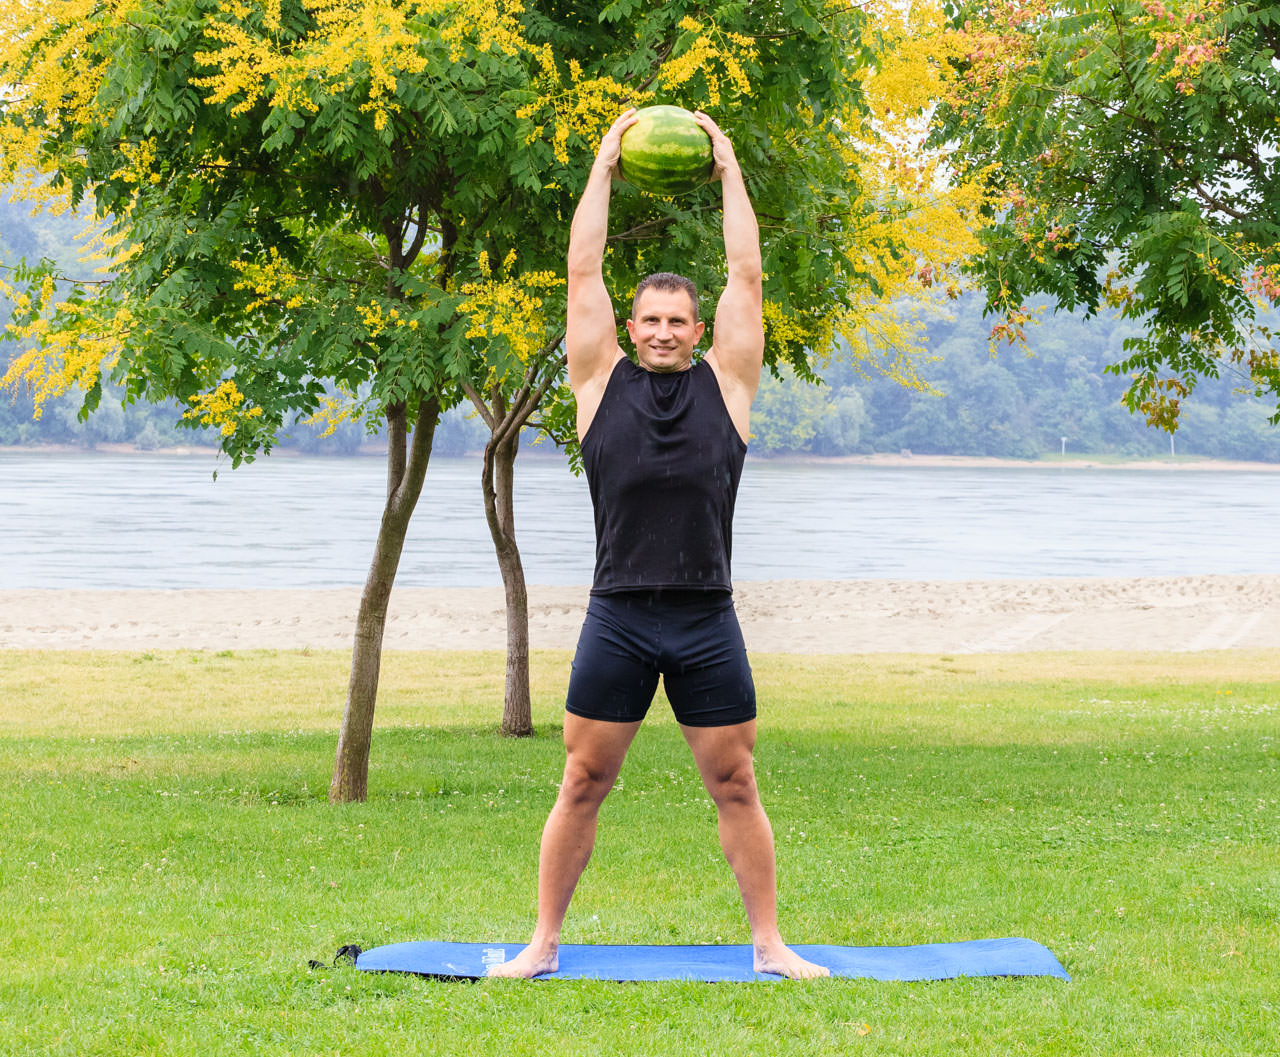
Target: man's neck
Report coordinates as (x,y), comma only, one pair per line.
(674,369)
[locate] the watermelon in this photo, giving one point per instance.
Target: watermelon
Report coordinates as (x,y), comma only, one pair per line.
(665,152)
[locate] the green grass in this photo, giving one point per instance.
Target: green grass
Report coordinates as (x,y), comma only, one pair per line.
(168,864)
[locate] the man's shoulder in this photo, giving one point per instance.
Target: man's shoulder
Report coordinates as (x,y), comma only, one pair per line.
(737,392)
(600,376)
(589,391)
(728,371)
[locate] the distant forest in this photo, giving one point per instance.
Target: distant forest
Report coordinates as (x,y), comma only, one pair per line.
(1052,396)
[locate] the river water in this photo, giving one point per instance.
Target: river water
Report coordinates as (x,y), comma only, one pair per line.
(89,520)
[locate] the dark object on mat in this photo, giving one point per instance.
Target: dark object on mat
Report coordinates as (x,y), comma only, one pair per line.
(346,956)
(930,961)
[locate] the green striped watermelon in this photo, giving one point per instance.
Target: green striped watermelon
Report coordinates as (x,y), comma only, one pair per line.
(665,152)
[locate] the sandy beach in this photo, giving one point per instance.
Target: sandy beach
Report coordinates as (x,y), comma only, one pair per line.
(792,616)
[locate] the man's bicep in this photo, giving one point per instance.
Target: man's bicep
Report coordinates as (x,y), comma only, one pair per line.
(739,337)
(591,333)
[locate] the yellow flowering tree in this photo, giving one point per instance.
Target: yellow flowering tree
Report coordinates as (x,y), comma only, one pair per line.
(293,193)
(374,196)
(1131,148)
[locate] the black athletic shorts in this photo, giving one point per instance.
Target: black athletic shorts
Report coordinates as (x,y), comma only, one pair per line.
(690,638)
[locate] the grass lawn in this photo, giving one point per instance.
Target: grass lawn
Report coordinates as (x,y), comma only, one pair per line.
(169,863)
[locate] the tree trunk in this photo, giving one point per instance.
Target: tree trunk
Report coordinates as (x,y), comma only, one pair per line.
(505,419)
(498,484)
(406,469)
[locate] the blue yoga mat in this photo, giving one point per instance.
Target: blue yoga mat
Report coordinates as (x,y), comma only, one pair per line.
(929,961)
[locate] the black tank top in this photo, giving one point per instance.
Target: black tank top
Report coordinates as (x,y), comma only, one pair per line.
(663,460)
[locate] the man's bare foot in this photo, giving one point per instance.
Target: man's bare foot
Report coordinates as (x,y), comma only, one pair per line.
(534,960)
(784,961)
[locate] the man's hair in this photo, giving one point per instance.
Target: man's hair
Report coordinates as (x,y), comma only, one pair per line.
(670,282)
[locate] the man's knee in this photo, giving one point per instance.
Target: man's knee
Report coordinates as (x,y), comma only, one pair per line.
(586,782)
(733,783)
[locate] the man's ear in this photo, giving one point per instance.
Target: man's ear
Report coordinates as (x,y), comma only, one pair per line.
(631,329)
(699,327)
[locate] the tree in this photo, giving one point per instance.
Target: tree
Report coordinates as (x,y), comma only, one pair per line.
(1132,152)
(312,193)
(506,398)
(296,192)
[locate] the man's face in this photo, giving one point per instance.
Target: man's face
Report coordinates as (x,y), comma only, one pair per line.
(664,330)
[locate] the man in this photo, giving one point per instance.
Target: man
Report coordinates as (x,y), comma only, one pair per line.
(663,442)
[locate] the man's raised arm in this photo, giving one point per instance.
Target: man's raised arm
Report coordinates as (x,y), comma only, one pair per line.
(591,333)
(739,337)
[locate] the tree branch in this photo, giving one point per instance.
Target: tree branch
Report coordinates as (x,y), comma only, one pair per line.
(648,225)
(406,496)
(1216,203)
(657,66)
(478,402)
(448,244)
(1250,161)
(552,375)
(530,394)
(419,235)
(1121,56)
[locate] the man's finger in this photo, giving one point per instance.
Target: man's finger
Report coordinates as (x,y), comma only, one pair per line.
(707,122)
(625,120)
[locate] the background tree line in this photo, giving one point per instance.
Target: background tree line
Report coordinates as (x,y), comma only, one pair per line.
(1020,403)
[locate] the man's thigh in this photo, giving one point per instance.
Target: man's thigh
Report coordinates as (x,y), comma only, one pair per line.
(705,670)
(594,750)
(614,674)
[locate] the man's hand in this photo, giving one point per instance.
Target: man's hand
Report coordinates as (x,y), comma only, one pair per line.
(611,145)
(723,158)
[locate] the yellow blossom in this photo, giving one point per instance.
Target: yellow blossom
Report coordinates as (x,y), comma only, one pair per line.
(222,407)
(331,414)
(510,306)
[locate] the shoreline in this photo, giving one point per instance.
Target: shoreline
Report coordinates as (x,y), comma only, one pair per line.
(892,460)
(1163,614)
(1048,462)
